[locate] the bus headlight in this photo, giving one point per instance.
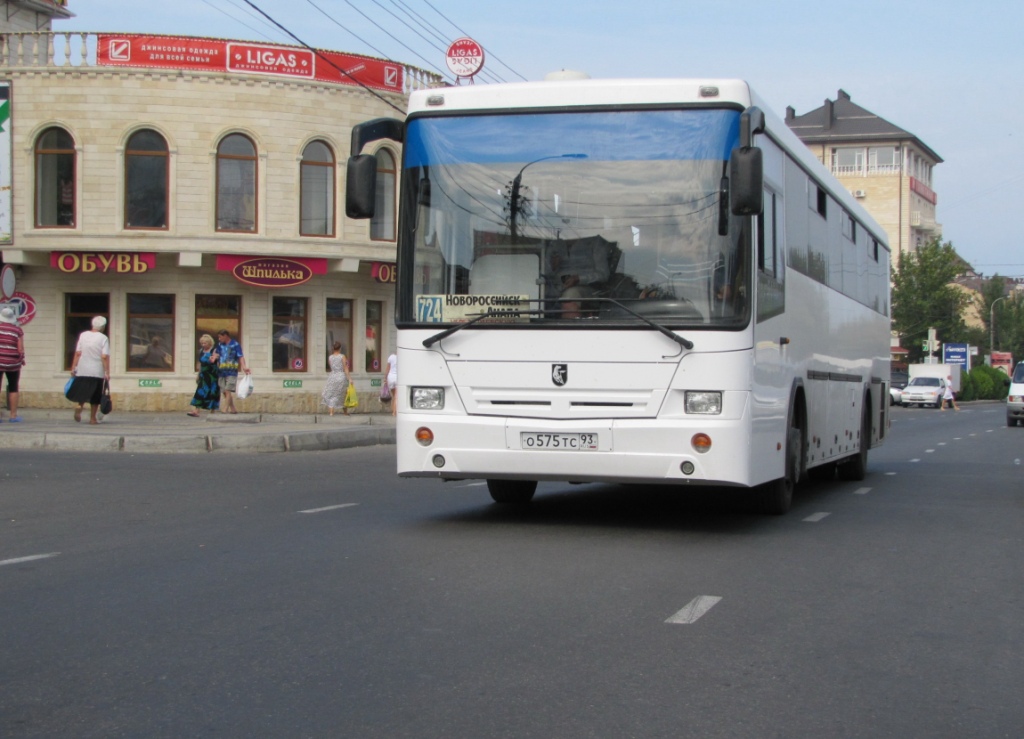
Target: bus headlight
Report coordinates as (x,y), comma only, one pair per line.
(427,398)
(704,402)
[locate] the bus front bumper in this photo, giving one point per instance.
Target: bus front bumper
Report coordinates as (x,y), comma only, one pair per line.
(627,451)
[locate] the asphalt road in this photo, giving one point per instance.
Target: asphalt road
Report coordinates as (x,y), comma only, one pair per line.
(316,595)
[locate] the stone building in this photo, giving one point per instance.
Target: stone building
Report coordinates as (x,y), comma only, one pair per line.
(888,169)
(178,186)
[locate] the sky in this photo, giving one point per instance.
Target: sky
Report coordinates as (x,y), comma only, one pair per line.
(947,72)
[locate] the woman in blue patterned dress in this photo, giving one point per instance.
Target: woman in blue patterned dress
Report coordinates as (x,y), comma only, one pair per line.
(207,393)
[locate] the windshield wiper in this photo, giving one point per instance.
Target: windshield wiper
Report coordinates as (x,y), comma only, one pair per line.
(428,342)
(685,343)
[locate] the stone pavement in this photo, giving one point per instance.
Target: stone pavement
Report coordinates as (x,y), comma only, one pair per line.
(144,433)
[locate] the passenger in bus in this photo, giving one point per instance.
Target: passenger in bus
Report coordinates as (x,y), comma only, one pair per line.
(576,270)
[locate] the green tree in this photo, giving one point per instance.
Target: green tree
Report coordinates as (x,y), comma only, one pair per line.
(923,298)
(1006,331)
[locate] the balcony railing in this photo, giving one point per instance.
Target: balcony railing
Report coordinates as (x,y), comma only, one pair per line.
(71,49)
(862,171)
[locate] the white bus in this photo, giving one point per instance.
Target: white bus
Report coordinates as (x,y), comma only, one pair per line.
(629,281)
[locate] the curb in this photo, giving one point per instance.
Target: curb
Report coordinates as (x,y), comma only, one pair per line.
(271,442)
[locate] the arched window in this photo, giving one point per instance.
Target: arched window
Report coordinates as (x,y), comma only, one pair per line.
(55,179)
(316,190)
(145,181)
(236,184)
(382,225)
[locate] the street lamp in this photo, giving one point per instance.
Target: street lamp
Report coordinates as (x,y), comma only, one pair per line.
(992,326)
(513,205)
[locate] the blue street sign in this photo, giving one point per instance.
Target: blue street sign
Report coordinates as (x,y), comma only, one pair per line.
(955,354)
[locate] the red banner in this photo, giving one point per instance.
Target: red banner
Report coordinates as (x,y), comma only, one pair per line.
(218,55)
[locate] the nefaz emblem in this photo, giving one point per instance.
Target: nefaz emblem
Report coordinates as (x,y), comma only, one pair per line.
(560,374)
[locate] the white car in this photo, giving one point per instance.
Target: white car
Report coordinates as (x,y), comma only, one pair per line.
(924,391)
(897,382)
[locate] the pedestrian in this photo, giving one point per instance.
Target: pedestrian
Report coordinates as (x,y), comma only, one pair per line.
(391,378)
(338,381)
(12,357)
(229,360)
(91,369)
(207,395)
(948,395)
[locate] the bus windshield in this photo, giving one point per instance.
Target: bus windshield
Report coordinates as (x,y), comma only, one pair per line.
(583,217)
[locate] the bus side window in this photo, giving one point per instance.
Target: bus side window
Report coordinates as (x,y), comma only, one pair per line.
(767,237)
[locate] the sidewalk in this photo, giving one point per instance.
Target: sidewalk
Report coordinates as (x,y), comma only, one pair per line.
(168,433)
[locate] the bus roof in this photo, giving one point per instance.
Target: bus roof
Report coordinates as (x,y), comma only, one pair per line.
(560,94)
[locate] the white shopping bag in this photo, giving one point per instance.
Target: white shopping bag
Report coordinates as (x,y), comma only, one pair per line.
(244,387)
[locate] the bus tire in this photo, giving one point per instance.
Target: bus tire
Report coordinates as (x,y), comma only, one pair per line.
(776,497)
(855,468)
(512,492)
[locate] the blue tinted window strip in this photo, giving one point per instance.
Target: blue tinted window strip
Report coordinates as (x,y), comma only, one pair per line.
(638,135)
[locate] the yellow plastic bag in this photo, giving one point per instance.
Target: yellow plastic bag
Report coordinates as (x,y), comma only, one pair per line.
(351,399)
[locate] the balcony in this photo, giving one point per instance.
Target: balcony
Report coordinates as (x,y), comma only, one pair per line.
(876,170)
(924,222)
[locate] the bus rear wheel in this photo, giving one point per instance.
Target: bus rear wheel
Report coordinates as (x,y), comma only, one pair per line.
(512,492)
(856,467)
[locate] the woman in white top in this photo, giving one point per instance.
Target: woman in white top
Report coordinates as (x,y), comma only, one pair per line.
(91,368)
(391,378)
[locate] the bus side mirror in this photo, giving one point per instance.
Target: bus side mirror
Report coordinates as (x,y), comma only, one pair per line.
(360,186)
(746,181)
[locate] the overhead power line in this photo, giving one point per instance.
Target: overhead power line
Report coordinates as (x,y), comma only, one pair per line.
(488,51)
(438,34)
(335,21)
(323,58)
(395,39)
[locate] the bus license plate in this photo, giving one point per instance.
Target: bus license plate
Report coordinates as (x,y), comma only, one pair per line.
(559,442)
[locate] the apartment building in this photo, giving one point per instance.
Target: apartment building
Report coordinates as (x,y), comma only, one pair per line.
(887,168)
(179,186)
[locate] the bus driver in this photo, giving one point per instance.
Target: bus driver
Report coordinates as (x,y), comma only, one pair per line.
(575,271)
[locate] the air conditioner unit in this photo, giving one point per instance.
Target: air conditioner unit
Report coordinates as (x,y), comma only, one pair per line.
(859,194)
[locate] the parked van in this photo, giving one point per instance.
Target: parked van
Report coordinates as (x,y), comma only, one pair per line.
(1015,400)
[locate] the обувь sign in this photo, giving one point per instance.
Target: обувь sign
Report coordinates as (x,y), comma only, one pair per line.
(103,262)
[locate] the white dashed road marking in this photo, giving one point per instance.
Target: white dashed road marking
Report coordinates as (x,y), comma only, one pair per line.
(329,508)
(19,560)
(694,609)
(862,491)
(472,485)
(915,460)
(815,517)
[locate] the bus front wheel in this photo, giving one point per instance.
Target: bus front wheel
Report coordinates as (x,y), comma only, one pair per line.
(777,495)
(514,492)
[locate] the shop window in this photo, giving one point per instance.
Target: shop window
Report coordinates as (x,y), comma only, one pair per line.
(79,310)
(374,335)
(339,328)
(55,179)
(289,335)
(215,313)
(151,333)
(146,181)
(236,184)
(382,225)
(316,175)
